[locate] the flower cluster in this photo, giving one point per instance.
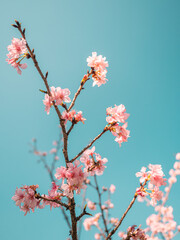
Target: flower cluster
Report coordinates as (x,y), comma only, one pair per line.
(53,194)
(167,224)
(73,116)
(17,52)
(98,64)
(25,198)
(105,211)
(155,179)
(74,177)
(133,233)
(93,162)
(162,222)
(88,222)
(116,116)
(58,95)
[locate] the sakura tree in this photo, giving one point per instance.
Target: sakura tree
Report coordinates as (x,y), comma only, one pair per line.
(80,173)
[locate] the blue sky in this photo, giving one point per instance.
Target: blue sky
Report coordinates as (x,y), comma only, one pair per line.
(141,42)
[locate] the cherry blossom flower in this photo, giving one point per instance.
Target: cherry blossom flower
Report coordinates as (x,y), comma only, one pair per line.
(178,156)
(88,222)
(58,95)
(91,205)
(94,164)
(117,114)
(25,198)
(17,52)
(112,188)
(98,64)
(73,116)
(74,177)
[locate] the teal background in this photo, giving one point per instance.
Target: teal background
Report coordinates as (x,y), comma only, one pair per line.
(140,39)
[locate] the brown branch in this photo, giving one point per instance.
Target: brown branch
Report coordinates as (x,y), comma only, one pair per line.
(38,196)
(84,80)
(122,218)
(125,213)
(100,205)
(33,56)
(90,144)
(66,217)
(83,213)
(80,222)
(70,129)
(73,219)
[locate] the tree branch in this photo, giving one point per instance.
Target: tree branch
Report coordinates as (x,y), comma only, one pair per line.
(125,213)
(33,56)
(90,144)
(38,196)
(83,213)
(100,205)
(84,80)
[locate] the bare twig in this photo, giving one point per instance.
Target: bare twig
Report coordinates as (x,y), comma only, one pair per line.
(125,213)
(80,222)
(83,213)
(90,144)
(100,206)
(70,129)
(38,196)
(84,80)
(44,78)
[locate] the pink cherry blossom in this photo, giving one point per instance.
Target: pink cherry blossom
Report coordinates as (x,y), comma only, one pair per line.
(94,164)
(74,176)
(112,188)
(17,48)
(156,175)
(143,174)
(156,195)
(17,52)
(73,116)
(178,156)
(99,64)
(48,103)
(97,236)
(121,133)
(117,114)
(91,205)
(88,222)
(58,95)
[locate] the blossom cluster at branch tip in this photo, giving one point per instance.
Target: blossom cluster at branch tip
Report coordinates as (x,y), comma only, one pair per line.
(162,221)
(98,64)
(26,198)
(73,116)
(133,233)
(58,95)
(88,222)
(115,116)
(74,177)
(155,177)
(93,162)
(17,52)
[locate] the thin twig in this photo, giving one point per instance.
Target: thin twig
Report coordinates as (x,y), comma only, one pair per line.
(80,222)
(70,129)
(82,214)
(38,196)
(125,213)
(90,144)
(84,80)
(33,56)
(100,205)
